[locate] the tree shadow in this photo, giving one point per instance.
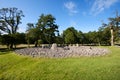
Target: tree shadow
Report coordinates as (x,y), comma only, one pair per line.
(4,51)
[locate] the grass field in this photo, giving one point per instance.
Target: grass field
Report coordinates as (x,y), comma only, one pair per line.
(16,67)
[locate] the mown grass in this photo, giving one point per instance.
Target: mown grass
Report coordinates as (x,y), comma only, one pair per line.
(16,67)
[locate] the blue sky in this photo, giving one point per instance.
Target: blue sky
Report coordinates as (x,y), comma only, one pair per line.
(84,15)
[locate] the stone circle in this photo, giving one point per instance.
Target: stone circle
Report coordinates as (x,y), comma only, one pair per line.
(63,52)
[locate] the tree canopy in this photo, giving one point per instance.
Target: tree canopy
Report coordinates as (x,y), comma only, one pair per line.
(10,18)
(44,29)
(70,35)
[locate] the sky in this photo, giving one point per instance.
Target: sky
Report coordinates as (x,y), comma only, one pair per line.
(83,15)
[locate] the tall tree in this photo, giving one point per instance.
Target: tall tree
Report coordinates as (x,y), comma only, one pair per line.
(32,33)
(104,34)
(81,37)
(46,23)
(10,18)
(115,28)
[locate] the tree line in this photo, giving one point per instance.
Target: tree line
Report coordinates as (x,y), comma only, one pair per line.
(45,31)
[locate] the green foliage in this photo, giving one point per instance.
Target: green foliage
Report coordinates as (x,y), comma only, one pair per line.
(10,18)
(69,38)
(81,37)
(7,40)
(104,35)
(46,23)
(100,37)
(114,25)
(9,23)
(59,40)
(33,34)
(44,30)
(40,42)
(19,38)
(70,35)
(91,37)
(12,39)
(16,67)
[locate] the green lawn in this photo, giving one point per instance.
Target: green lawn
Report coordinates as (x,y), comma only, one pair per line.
(16,67)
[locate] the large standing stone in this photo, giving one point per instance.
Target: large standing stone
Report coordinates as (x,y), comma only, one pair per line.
(54,46)
(43,46)
(77,45)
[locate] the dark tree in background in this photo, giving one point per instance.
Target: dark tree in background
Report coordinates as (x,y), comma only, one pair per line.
(100,37)
(46,23)
(18,38)
(33,33)
(10,18)
(70,35)
(44,31)
(29,33)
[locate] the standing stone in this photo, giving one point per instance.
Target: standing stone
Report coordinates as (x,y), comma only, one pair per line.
(54,46)
(43,46)
(77,45)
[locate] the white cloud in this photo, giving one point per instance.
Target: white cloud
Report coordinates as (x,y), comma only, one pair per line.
(71,6)
(100,5)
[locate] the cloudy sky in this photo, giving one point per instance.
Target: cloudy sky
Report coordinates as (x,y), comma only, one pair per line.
(84,15)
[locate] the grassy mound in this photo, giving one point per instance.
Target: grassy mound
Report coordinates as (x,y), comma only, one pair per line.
(16,67)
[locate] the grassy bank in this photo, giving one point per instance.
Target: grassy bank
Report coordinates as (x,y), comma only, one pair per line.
(16,67)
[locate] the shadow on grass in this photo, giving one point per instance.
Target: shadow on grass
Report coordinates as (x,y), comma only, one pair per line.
(4,51)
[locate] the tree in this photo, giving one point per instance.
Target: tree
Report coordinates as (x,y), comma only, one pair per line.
(10,18)
(112,34)
(91,38)
(80,37)
(70,36)
(114,28)
(19,38)
(44,30)
(59,40)
(8,39)
(29,37)
(33,33)
(46,23)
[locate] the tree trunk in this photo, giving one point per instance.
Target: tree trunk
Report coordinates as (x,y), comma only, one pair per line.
(28,42)
(99,43)
(15,46)
(112,37)
(11,46)
(36,43)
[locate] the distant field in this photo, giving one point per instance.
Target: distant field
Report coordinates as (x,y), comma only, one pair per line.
(3,46)
(16,67)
